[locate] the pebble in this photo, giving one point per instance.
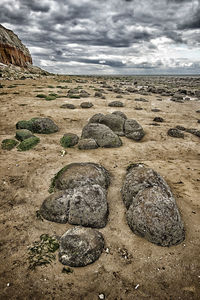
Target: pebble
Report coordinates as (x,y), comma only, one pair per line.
(101,296)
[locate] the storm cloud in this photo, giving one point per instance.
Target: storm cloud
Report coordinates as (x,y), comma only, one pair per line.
(108,36)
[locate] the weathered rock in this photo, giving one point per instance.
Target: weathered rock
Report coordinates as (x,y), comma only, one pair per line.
(151,208)
(55,208)
(158,119)
(87,144)
(88,206)
(80,246)
(174,132)
(102,134)
(120,113)
(141,100)
(96,118)
(69,140)
(193,131)
(155,216)
(114,122)
(38,125)
(133,130)
(86,104)
(12,51)
(138,178)
(74,174)
(116,104)
(68,105)
(28,143)
(23,134)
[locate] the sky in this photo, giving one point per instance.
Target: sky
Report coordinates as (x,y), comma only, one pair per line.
(108,37)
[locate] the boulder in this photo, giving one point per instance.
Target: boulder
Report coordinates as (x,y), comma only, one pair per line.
(23,134)
(120,113)
(88,206)
(155,216)
(133,130)
(86,104)
(114,122)
(69,140)
(80,246)
(74,174)
(102,134)
(116,104)
(87,144)
(96,118)
(38,125)
(138,178)
(151,208)
(68,105)
(174,132)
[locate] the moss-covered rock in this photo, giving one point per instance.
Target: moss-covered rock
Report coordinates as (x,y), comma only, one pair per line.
(23,134)
(50,98)
(28,143)
(69,140)
(41,96)
(38,125)
(8,144)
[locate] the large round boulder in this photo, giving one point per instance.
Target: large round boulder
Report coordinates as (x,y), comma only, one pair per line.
(133,130)
(80,246)
(155,216)
(151,208)
(102,134)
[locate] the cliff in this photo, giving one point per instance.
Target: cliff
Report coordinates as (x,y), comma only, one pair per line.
(12,51)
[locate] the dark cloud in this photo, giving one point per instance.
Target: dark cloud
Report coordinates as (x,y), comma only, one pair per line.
(107,35)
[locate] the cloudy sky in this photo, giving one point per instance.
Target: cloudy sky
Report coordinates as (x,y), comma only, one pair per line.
(108,36)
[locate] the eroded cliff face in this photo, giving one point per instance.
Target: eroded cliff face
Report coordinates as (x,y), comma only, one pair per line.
(12,51)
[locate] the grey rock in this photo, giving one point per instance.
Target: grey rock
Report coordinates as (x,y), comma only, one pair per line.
(138,178)
(120,113)
(174,132)
(158,119)
(116,104)
(87,144)
(68,105)
(102,134)
(38,125)
(55,208)
(80,246)
(155,216)
(193,131)
(133,130)
(114,122)
(86,104)
(88,206)
(73,174)
(96,118)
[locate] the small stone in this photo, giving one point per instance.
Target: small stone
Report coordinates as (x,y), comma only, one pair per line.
(116,104)
(101,296)
(174,132)
(86,104)
(158,119)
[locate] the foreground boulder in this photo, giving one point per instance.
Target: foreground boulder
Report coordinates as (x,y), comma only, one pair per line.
(151,208)
(38,125)
(102,134)
(133,130)
(83,196)
(80,246)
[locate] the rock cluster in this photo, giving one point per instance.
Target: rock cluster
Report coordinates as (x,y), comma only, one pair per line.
(151,208)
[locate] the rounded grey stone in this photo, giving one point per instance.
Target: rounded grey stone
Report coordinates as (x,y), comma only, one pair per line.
(116,104)
(87,144)
(120,113)
(133,130)
(80,246)
(155,216)
(102,134)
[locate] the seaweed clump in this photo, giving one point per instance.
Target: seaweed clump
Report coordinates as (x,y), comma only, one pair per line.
(42,252)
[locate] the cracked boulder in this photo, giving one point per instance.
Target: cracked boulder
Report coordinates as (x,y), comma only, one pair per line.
(133,130)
